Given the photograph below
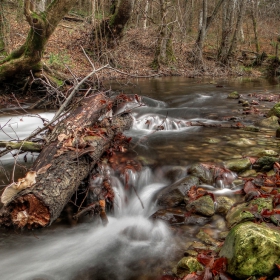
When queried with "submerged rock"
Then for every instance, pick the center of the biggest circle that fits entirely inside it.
(247, 211)
(173, 195)
(252, 250)
(271, 122)
(238, 165)
(242, 142)
(203, 205)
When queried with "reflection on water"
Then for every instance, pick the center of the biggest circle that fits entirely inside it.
(131, 245)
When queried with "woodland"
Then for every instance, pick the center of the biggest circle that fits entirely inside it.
(57, 55)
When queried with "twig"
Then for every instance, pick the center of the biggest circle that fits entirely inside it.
(87, 209)
(67, 101)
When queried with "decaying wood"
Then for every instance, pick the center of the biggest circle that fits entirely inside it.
(73, 148)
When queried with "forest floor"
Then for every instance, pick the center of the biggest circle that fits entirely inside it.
(133, 55)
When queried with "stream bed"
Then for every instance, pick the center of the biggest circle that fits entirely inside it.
(132, 246)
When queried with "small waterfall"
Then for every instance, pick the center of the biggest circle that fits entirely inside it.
(126, 247)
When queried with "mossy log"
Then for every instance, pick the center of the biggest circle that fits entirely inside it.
(26, 146)
(73, 148)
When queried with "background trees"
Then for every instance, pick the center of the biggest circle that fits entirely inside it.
(142, 35)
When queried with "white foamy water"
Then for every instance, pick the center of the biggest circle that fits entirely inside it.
(128, 239)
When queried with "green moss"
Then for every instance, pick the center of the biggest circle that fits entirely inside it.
(252, 250)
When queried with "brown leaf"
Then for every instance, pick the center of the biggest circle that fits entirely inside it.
(44, 169)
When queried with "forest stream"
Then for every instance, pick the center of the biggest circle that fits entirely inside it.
(131, 245)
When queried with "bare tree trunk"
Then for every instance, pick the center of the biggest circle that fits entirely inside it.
(146, 14)
(3, 30)
(241, 13)
(254, 13)
(226, 30)
(164, 51)
(205, 22)
(28, 57)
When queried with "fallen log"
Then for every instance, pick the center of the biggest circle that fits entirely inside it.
(73, 148)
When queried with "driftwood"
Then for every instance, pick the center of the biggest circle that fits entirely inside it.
(72, 149)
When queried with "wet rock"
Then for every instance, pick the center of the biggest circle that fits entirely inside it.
(175, 173)
(233, 95)
(267, 153)
(251, 128)
(186, 266)
(223, 205)
(247, 211)
(274, 111)
(173, 195)
(248, 173)
(265, 163)
(238, 165)
(201, 246)
(271, 122)
(206, 238)
(252, 250)
(203, 205)
(211, 174)
(242, 142)
(171, 216)
(212, 140)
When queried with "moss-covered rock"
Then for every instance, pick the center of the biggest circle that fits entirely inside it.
(233, 95)
(265, 163)
(186, 266)
(274, 111)
(238, 165)
(203, 205)
(223, 205)
(252, 250)
(243, 212)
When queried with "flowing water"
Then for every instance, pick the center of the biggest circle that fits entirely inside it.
(132, 246)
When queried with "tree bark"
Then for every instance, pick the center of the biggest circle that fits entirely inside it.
(110, 30)
(28, 57)
(73, 148)
(164, 51)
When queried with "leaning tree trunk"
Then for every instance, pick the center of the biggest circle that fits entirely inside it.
(73, 148)
(205, 23)
(28, 57)
(110, 30)
(237, 31)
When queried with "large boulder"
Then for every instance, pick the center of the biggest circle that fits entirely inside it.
(252, 250)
